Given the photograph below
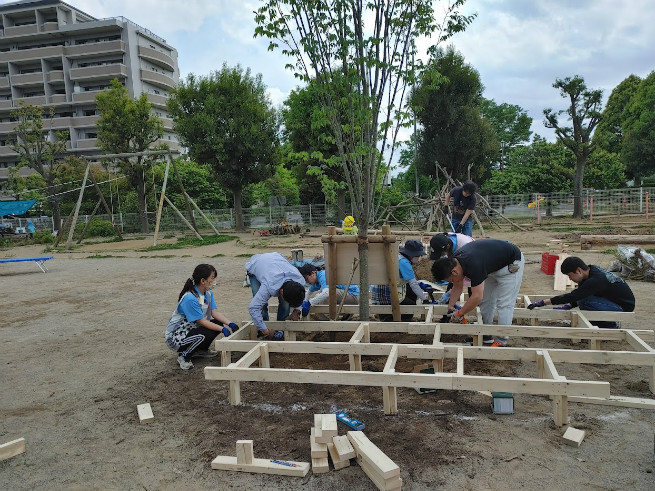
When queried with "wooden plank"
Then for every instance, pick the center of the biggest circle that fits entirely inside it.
(391, 263)
(391, 359)
(12, 448)
(616, 401)
(588, 241)
(343, 447)
(460, 361)
(572, 436)
(145, 413)
(391, 484)
(250, 357)
(337, 462)
(318, 449)
(320, 465)
(346, 252)
(264, 358)
(329, 426)
(245, 453)
(378, 460)
(261, 466)
(413, 380)
(637, 343)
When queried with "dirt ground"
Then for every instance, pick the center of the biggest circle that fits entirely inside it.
(83, 345)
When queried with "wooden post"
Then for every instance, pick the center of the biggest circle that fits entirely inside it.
(104, 203)
(88, 223)
(392, 273)
(332, 275)
(161, 203)
(591, 209)
(71, 230)
(647, 202)
(538, 212)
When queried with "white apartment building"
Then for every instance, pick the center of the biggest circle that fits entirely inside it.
(53, 54)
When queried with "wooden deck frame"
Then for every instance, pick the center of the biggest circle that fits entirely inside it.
(547, 381)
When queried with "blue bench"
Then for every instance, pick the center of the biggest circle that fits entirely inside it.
(40, 261)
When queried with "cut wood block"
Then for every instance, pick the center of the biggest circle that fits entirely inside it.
(372, 455)
(320, 466)
(389, 484)
(261, 466)
(329, 425)
(318, 449)
(244, 452)
(12, 448)
(318, 431)
(145, 413)
(337, 462)
(572, 436)
(343, 447)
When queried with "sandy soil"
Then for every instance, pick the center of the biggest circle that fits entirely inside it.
(82, 346)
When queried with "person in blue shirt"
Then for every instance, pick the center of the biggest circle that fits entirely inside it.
(271, 275)
(409, 289)
(318, 283)
(463, 200)
(30, 228)
(196, 321)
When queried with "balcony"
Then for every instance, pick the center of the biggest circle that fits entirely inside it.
(38, 100)
(168, 123)
(57, 123)
(55, 76)
(88, 144)
(7, 127)
(21, 30)
(157, 57)
(5, 104)
(33, 53)
(57, 98)
(157, 100)
(49, 26)
(27, 79)
(89, 96)
(93, 49)
(104, 72)
(4, 82)
(7, 152)
(85, 121)
(158, 79)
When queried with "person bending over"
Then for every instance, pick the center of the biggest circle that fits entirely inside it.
(598, 289)
(271, 275)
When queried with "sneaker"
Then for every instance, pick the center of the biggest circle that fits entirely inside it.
(487, 340)
(205, 353)
(184, 365)
(498, 344)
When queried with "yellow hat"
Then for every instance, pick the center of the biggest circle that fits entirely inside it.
(348, 221)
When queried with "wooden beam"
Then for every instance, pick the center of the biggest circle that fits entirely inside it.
(145, 413)
(391, 263)
(616, 401)
(12, 448)
(245, 452)
(261, 466)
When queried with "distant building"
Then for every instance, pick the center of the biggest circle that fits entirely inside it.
(53, 54)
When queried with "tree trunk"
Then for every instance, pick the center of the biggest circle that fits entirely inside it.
(362, 248)
(238, 211)
(56, 213)
(341, 203)
(141, 198)
(578, 211)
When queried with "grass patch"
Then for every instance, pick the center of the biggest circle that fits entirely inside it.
(186, 242)
(163, 256)
(244, 255)
(218, 255)
(102, 256)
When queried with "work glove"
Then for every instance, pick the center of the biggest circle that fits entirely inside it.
(424, 286)
(233, 326)
(278, 336)
(459, 228)
(226, 332)
(538, 303)
(456, 318)
(445, 298)
(305, 308)
(430, 302)
(566, 306)
(446, 209)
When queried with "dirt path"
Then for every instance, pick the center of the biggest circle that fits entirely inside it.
(82, 345)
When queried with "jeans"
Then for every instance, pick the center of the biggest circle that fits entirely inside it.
(283, 308)
(599, 304)
(467, 229)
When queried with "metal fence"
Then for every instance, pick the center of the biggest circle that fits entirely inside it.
(598, 203)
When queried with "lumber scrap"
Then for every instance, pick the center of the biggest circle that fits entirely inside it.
(320, 465)
(258, 466)
(588, 241)
(12, 448)
(145, 413)
(572, 436)
(337, 461)
(343, 447)
(383, 471)
(318, 449)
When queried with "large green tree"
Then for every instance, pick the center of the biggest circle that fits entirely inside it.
(454, 134)
(584, 115)
(227, 121)
(42, 149)
(128, 125)
(609, 132)
(639, 130)
(511, 124)
(366, 48)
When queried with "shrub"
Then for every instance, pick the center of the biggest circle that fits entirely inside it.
(97, 228)
(43, 237)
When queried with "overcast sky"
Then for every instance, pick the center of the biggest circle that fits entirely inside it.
(519, 47)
